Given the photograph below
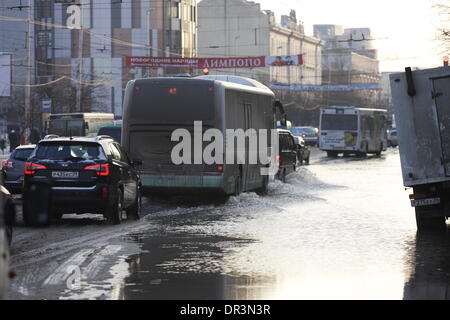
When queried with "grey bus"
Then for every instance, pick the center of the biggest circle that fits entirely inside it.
(154, 108)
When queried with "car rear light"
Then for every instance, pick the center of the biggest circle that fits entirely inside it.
(31, 168)
(100, 169)
(7, 164)
(220, 168)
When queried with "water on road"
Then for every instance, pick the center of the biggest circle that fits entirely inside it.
(338, 229)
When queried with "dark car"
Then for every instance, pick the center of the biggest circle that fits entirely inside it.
(114, 132)
(13, 168)
(80, 175)
(303, 152)
(287, 155)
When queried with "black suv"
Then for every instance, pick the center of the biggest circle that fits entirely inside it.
(80, 175)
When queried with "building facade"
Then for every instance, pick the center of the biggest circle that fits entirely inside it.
(349, 55)
(110, 30)
(239, 28)
(14, 40)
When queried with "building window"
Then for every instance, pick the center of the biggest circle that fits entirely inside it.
(175, 10)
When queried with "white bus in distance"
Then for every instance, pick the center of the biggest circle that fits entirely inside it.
(351, 130)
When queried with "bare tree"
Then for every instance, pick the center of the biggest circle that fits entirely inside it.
(64, 97)
(442, 9)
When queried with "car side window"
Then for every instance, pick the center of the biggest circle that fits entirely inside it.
(115, 152)
(123, 154)
(291, 143)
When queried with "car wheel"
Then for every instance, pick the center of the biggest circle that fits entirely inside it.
(134, 212)
(116, 211)
(281, 175)
(300, 160)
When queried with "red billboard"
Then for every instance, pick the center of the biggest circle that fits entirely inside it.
(213, 63)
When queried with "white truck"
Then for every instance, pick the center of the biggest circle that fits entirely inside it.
(422, 111)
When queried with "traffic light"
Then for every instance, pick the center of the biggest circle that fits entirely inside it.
(445, 61)
(206, 71)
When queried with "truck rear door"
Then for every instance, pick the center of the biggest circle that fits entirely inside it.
(441, 94)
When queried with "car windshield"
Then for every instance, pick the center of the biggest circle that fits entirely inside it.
(70, 152)
(308, 130)
(22, 154)
(296, 131)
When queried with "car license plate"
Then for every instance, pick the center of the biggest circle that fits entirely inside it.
(425, 202)
(64, 174)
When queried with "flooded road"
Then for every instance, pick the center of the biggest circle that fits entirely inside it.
(339, 229)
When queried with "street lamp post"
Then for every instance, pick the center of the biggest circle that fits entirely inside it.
(149, 43)
(28, 87)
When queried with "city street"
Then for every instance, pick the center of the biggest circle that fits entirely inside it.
(339, 229)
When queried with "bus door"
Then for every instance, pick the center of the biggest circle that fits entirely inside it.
(248, 125)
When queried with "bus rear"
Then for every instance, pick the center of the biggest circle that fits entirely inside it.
(339, 129)
(153, 110)
(78, 124)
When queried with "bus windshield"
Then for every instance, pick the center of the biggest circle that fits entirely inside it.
(339, 122)
(164, 103)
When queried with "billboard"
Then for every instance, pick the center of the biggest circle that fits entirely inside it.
(5, 74)
(214, 63)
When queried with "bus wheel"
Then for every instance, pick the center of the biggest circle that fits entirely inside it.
(263, 190)
(378, 153)
(237, 185)
(362, 154)
(430, 218)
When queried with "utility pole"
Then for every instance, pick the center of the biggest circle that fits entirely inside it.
(29, 61)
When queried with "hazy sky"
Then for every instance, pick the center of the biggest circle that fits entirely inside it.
(410, 26)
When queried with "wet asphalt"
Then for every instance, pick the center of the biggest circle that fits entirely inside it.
(338, 229)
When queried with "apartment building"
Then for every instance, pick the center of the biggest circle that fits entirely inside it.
(240, 28)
